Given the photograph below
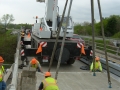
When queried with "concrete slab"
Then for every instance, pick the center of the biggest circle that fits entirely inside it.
(81, 81)
(28, 80)
(65, 67)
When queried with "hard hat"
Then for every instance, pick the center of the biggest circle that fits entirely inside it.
(1, 59)
(33, 61)
(97, 58)
(47, 74)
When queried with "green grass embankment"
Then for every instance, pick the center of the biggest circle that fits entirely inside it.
(100, 46)
(8, 45)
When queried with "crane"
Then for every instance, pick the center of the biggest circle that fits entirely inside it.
(50, 22)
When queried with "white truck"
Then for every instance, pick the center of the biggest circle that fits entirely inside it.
(45, 33)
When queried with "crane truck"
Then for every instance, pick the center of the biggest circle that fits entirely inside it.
(44, 33)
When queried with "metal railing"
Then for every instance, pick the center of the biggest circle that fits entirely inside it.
(100, 46)
(13, 85)
(114, 68)
(7, 72)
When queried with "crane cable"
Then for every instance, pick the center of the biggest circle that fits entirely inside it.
(55, 45)
(93, 35)
(61, 50)
(102, 28)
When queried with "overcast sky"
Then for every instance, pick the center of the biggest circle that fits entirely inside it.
(24, 10)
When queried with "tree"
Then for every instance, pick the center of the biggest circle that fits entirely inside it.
(77, 29)
(0, 22)
(111, 26)
(1, 25)
(98, 30)
(85, 23)
(6, 20)
(87, 28)
(118, 23)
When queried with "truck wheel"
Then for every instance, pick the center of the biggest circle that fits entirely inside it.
(71, 61)
(65, 55)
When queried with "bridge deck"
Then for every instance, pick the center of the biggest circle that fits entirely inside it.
(81, 81)
(71, 77)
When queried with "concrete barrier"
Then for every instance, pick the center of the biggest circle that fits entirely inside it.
(28, 79)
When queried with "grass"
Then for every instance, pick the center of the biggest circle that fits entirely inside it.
(117, 35)
(100, 46)
(8, 45)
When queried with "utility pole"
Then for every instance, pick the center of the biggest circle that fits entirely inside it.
(93, 35)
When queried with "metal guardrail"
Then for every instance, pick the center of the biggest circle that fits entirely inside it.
(13, 85)
(7, 72)
(100, 46)
(100, 38)
(114, 67)
(7, 64)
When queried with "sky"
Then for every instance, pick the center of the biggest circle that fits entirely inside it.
(24, 11)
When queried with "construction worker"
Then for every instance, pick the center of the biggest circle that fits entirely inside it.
(48, 83)
(98, 66)
(2, 83)
(22, 35)
(35, 64)
(23, 57)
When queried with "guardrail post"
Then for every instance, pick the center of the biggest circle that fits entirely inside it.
(12, 70)
(95, 45)
(117, 51)
(88, 42)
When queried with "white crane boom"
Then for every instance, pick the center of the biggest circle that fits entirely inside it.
(50, 22)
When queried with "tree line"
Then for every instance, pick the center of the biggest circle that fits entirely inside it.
(111, 27)
(6, 22)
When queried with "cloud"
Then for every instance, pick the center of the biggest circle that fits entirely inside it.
(24, 10)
